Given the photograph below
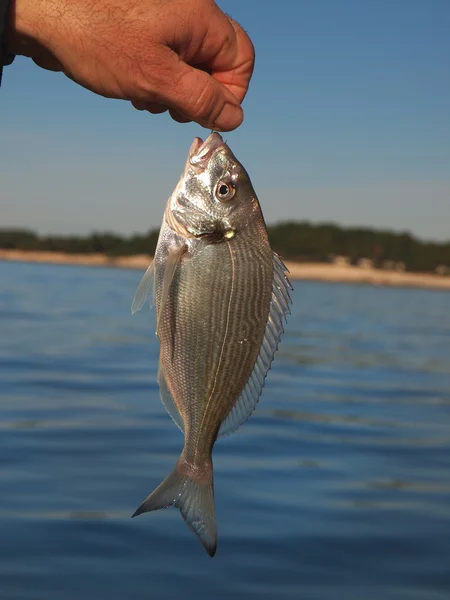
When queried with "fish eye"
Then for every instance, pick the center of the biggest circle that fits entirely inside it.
(225, 191)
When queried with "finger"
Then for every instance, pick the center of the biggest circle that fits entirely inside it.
(227, 53)
(201, 98)
(153, 107)
(237, 77)
(138, 105)
(179, 117)
(47, 61)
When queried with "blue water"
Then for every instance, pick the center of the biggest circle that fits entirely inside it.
(338, 487)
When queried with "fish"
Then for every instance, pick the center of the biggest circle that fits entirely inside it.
(222, 296)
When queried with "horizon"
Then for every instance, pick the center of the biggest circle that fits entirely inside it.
(314, 224)
(346, 121)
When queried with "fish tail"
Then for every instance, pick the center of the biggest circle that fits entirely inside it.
(191, 490)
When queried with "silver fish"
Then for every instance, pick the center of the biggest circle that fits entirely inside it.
(221, 295)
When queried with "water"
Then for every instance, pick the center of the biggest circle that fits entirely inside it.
(338, 487)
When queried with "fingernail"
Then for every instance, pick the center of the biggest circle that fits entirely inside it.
(230, 118)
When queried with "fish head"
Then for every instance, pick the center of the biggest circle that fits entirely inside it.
(214, 196)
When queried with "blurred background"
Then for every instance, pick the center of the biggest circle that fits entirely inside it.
(338, 487)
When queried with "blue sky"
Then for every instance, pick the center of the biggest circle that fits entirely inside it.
(347, 120)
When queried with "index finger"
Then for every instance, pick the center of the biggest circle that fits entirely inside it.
(226, 52)
(233, 67)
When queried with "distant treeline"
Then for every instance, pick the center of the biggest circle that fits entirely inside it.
(302, 241)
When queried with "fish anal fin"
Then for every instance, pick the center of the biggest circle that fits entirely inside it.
(279, 308)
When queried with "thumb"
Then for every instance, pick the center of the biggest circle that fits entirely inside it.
(199, 97)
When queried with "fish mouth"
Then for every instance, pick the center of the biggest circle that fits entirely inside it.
(201, 151)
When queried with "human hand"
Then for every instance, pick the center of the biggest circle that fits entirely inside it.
(184, 56)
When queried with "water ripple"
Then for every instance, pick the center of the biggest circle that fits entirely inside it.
(337, 487)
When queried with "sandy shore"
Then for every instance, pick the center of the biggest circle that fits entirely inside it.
(311, 271)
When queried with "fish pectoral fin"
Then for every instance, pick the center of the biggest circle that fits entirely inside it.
(146, 289)
(279, 308)
(167, 398)
(193, 497)
(173, 258)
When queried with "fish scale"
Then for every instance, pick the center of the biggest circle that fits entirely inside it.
(215, 365)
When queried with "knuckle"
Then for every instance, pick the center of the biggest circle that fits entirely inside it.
(206, 104)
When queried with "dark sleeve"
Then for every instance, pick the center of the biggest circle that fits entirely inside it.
(5, 59)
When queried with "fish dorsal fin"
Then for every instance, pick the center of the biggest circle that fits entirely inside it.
(279, 308)
(167, 399)
(146, 289)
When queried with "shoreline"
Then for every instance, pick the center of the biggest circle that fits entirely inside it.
(298, 271)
